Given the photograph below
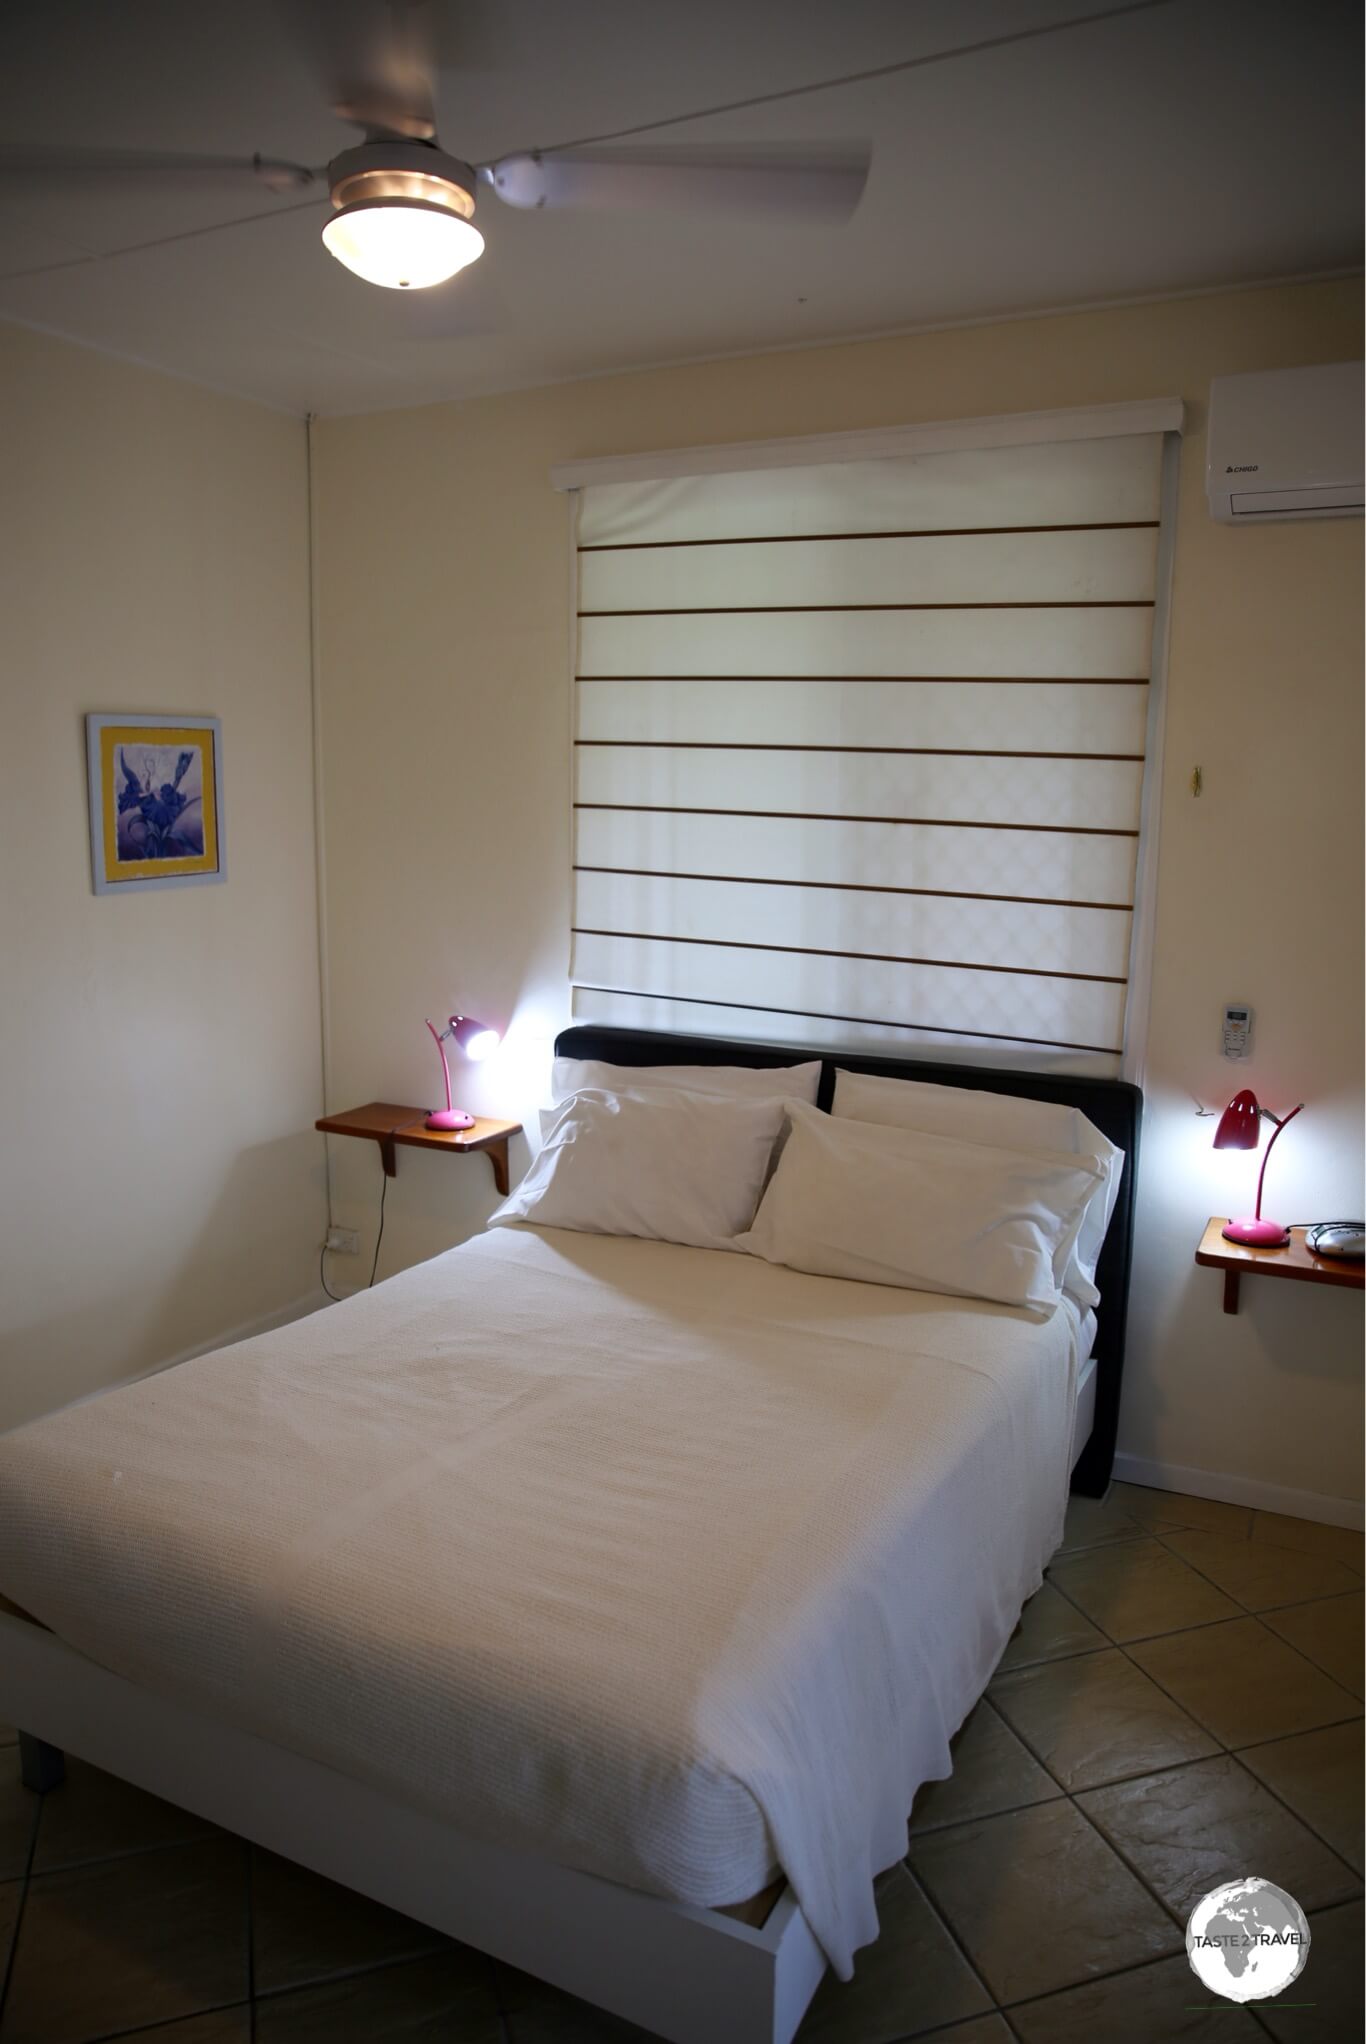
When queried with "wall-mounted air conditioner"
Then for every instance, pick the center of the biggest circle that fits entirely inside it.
(1286, 443)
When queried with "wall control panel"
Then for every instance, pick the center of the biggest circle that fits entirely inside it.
(1237, 1031)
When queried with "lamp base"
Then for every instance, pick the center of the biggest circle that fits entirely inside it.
(1256, 1234)
(449, 1118)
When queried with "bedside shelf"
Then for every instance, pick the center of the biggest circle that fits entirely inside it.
(388, 1123)
(1292, 1260)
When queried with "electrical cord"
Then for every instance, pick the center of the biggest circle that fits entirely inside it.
(337, 1297)
(162, 241)
(927, 58)
(397, 1130)
(383, 1195)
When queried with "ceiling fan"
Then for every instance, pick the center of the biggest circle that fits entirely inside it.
(403, 207)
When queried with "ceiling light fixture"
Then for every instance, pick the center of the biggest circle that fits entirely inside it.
(404, 213)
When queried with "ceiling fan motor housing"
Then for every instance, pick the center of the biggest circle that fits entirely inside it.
(403, 173)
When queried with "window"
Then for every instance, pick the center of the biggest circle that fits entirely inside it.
(860, 744)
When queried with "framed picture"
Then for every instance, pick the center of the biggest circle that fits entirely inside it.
(156, 802)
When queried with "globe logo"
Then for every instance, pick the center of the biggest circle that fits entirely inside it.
(1247, 1940)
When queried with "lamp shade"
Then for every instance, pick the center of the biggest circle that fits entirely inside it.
(1240, 1124)
(475, 1039)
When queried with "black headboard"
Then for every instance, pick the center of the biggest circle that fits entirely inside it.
(1114, 1107)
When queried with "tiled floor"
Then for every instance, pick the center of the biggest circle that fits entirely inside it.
(1180, 1705)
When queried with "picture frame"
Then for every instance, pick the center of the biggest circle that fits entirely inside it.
(156, 802)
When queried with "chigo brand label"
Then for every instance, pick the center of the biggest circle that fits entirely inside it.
(1248, 1940)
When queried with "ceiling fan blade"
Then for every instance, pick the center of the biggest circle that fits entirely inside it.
(50, 165)
(377, 60)
(795, 183)
(106, 255)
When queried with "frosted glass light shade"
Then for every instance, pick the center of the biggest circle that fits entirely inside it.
(403, 244)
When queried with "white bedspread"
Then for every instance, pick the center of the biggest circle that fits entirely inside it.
(663, 1562)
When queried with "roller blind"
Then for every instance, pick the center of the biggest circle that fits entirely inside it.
(860, 748)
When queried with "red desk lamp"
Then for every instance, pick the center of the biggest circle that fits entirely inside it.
(1240, 1126)
(476, 1039)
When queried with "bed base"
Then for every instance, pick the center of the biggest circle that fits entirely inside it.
(692, 1975)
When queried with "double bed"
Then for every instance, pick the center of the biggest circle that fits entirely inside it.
(602, 1602)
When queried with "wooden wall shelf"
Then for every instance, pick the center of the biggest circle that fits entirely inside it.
(388, 1123)
(1293, 1260)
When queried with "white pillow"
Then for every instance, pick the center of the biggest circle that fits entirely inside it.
(896, 1206)
(676, 1167)
(998, 1118)
(731, 1082)
(571, 1075)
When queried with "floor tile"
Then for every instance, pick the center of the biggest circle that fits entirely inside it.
(536, 2013)
(1000, 1882)
(130, 1942)
(447, 1998)
(1190, 1829)
(991, 1771)
(1156, 1509)
(1319, 1774)
(1259, 1576)
(1329, 1634)
(912, 1977)
(18, 1819)
(1306, 1536)
(1138, 1589)
(1152, 2005)
(1091, 1522)
(224, 2026)
(306, 1929)
(1330, 1985)
(1049, 1627)
(10, 1891)
(1097, 1719)
(981, 2030)
(93, 1815)
(1243, 1683)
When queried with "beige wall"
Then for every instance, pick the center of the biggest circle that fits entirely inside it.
(159, 1065)
(444, 595)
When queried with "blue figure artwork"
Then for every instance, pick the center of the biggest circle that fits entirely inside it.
(160, 802)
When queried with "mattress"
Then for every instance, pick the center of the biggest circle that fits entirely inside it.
(670, 1564)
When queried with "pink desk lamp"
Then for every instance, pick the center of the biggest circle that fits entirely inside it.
(476, 1039)
(1240, 1126)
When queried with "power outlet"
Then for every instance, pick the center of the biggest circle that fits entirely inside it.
(345, 1241)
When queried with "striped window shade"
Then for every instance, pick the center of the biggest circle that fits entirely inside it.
(860, 745)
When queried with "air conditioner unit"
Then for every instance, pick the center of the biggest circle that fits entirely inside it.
(1286, 443)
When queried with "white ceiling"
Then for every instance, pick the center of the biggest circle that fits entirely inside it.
(1198, 143)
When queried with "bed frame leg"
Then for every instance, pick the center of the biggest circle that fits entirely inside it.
(41, 1767)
